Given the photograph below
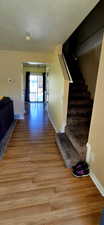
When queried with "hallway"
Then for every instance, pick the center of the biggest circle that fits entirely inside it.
(35, 186)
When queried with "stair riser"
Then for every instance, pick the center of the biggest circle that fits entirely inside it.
(78, 90)
(79, 97)
(84, 94)
(76, 106)
(75, 85)
(73, 140)
(81, 149)
(79, 130)
(78, 123)
(79, 110)
(87, 114)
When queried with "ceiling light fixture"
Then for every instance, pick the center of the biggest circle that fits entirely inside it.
(28, 36)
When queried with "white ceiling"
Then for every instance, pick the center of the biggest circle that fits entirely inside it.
(49, 22)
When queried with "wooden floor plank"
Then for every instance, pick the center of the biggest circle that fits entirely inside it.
(35, 186)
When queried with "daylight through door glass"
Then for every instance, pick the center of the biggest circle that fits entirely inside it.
(36, 88)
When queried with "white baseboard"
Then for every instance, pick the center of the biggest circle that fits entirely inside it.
(89, 158)
(88, 154)
(19, 116)
(97, 183)
(53, 124)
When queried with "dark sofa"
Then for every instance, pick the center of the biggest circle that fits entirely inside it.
(6, 115)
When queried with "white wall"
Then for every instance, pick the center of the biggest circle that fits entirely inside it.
(11, 67)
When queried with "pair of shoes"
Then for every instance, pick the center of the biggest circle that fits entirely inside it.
(81, 169)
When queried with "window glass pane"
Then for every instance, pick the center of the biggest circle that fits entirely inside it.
(36, 88)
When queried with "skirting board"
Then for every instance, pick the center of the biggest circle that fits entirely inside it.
(88, 155)
(97, 183)
(53, 124)
(19, 116)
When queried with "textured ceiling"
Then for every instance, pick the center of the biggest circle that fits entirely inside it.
(49, 22)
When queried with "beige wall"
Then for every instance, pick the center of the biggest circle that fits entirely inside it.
(89, 63)
(96, 135)
(58, 94)
(11, 67)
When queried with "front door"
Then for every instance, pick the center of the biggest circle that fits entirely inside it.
(36, 88)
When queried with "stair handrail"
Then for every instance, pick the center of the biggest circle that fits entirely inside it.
(67, 69)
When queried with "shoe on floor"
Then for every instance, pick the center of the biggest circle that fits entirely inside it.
(81, 165)
(80, 172)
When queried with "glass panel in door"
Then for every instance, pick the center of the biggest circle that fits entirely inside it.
(36, 88)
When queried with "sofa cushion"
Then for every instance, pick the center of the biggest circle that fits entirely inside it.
(4, 101)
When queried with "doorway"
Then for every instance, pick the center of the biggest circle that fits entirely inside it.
(35, 82)
(35, 88)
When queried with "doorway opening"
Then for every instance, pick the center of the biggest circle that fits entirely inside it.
(35, 88)
(35, 82)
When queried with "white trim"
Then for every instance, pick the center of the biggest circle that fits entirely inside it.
(19, 116)
(88, 155)
(62, 129)
(67, 69)
(64, 70)
(54, 126)
(97, 183)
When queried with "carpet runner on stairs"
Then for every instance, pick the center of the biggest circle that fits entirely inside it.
(78, 122)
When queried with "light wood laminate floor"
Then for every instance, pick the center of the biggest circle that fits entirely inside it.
(35, 186)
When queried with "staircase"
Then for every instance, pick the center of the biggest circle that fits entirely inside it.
(73, 142)
(79, 115)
